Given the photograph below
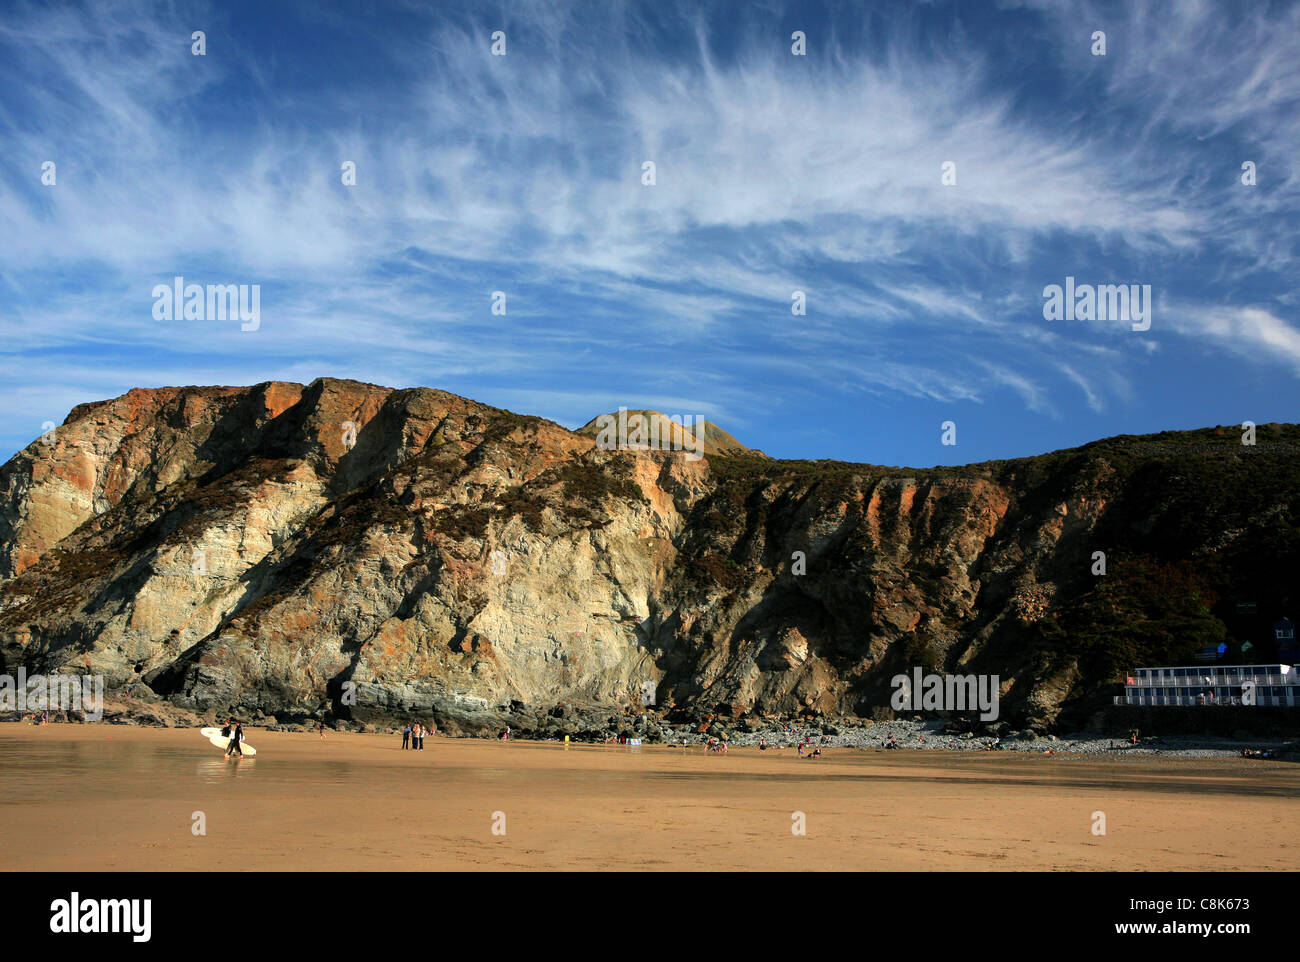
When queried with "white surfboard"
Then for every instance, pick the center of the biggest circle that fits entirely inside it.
(223, 741)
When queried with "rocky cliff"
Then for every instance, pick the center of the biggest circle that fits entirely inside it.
(368, 553)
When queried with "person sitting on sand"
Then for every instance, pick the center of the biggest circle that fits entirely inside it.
(723, 746)
(816, 753)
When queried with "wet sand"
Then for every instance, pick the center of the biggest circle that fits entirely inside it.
(115, 798)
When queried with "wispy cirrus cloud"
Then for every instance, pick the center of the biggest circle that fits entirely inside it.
(774, 173)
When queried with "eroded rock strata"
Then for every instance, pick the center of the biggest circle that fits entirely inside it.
(369, 554)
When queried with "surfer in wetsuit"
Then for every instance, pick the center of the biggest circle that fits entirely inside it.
(236, 736)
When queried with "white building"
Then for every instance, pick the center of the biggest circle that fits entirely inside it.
(1276, 685)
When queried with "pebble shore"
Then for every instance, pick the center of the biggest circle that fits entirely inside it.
(929, 736)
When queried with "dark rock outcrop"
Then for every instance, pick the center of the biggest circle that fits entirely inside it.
(375, 554)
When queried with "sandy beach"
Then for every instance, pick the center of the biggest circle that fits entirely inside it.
(117, 798)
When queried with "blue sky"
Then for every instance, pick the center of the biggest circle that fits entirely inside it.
(774, 173)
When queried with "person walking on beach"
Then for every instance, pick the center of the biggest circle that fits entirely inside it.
(236, 736)
(322, 728)
(406, 736)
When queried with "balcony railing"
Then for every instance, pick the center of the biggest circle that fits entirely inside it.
(1275, 701)
(1206, 681)
(1168, 681)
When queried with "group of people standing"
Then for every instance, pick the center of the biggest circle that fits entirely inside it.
(413, 736)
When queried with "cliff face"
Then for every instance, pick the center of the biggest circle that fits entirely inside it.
(373, 553)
